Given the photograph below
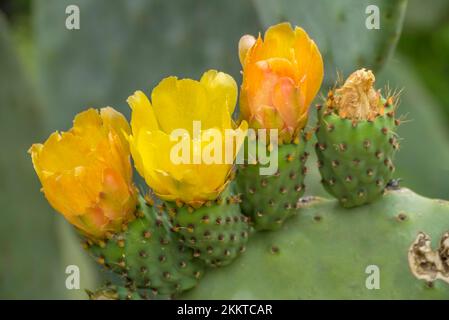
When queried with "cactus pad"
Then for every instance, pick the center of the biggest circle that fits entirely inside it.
(325, 251)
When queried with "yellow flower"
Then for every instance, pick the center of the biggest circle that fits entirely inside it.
(86, 172)
(281, 76)
(177, 104)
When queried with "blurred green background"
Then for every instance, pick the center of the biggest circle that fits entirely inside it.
(49, 73)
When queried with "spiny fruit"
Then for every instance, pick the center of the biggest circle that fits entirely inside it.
(217, 231)
(270, 199)
(329, 252)
(148, 254)
(356, 140)
(282, 73)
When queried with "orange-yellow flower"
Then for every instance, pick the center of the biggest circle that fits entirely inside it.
(86, 173)
(281, 76)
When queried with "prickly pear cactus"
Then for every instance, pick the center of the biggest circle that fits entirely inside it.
(270, 199)
(329, 252)
(355, 144)
(217, 231)
(148, 255)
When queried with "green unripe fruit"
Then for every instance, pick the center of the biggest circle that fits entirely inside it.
(355, 156)
(270, 199)
(149, 255)
(216, 231)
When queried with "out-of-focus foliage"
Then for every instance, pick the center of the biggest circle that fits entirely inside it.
(425, 42)
(339, 29)
(30, 251)
(123, 46)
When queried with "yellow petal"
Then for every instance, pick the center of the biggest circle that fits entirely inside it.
(178, 103)
(142, 113)
(278, 41)
(222, 89)
(116, 121)
(245, 44)
(310, 65)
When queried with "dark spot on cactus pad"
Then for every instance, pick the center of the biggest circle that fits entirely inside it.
(274, 249)
(317, 218)
(401, 216)
(366, 144)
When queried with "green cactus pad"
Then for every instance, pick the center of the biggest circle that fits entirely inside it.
(329, 252)
(148, 255)
(270, 199)
(356, 158)
(217, 231)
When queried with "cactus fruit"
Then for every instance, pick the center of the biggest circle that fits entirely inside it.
(216, 231)
(270, 199)
(329, 252)
(356, 141)
(148, 254)
(281, 76)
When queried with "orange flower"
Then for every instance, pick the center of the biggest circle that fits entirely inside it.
(281, 76)
(86, 172)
